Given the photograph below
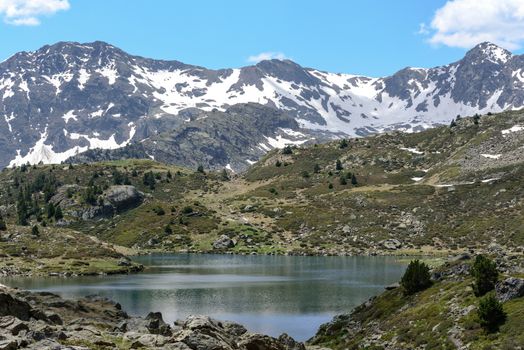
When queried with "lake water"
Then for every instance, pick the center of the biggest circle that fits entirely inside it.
(267, 294)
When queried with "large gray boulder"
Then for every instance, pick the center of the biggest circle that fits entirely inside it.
(223, 242)
(123, 197)
(510, 288)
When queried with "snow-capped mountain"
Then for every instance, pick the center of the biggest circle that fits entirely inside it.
(66, 98)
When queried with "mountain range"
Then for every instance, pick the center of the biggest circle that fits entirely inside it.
(94, 101)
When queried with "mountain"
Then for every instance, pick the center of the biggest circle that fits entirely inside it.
(67, 98)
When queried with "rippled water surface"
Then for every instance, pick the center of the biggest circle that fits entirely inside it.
(268, 294)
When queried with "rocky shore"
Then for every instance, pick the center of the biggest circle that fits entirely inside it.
(43, 320)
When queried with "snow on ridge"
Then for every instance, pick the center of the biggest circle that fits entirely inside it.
(69, 115)
(514, 128)
(491, 156)
(411, 150)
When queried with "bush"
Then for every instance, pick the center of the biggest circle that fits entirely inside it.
(485, 273)
(287, 150)
(416, 278)
(338, 165)
(491, 313)
(187, 210)
(35, 231)
(3, 226)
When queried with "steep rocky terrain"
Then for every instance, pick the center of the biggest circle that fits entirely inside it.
(67, 98)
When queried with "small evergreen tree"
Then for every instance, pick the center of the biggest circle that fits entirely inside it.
(338, 165)
(34, 231)
(491, 313)
(168, 230)
(58, 213)
(343, 180)
(354, 181)
(50, 210)
(316, 169)
(343, 144)
(21, 209)
(287, 150)
(476, 119)
(330, 186)
(278, 163)
(169, 175)
(3, 226)
(305, 174)
(149, 180)
(453, 123)
(200, 169)
(484, 271)
(134, 173)
(416, 278)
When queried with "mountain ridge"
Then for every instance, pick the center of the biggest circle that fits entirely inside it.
(67, 98)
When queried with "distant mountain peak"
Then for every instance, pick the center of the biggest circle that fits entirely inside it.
(489, 51)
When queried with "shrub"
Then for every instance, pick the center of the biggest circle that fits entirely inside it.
(491, 313)
(416, 278)
(343, 143)
(485, 273)
(338, 165)
(58, 213)
(200, 169)
(287, 150)
(278, 163)
(159, 211)
(35, 231)
(187, 210)
(343, 180)
(3, 226)
(316, 169)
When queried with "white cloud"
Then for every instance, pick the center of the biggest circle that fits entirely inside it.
(27, 12)
(465, 23)
(266, 56)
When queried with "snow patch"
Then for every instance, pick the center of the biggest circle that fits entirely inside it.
(491, 156)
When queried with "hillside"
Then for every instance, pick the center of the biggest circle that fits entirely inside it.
(443, 316)
(69, 98)
(448, 188)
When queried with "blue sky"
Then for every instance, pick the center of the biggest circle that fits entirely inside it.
(372, 37)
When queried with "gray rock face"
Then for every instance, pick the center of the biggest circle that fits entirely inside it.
(223, 242)
(510, 288)
(123, 197)
(67, 98)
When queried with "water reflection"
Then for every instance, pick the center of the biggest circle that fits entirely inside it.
(269, 294)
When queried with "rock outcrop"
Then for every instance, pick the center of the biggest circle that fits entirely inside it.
(46, 321)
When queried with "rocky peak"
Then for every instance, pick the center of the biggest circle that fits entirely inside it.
(487, 51)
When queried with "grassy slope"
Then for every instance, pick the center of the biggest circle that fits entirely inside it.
(277, 209)
(441, 317)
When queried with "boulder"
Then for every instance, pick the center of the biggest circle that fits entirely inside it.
(123, 197)
(156, 324)
(223, 242)
(510, 288)
(391, 244)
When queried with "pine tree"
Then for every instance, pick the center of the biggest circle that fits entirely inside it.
(287, 150)
(491, 313)
(50, 210)
(485, 273)
(149, 180)
(343, 144)
(316, 169)
(169, 175)
(416, 278)
(453, 123)
(3, 226)
(35, 231)
(21, 209)
(200, 169)
(168, 230)
(354, 181)
(58, 213)
(338, 165)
